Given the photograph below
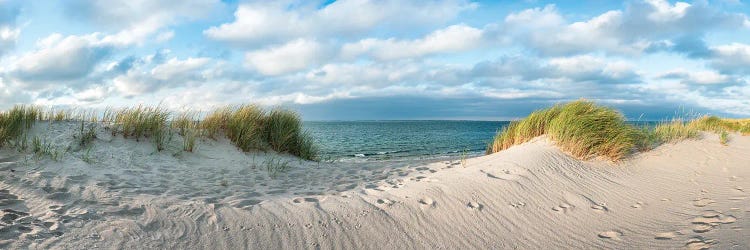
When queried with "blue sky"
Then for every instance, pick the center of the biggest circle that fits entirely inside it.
(361, 59)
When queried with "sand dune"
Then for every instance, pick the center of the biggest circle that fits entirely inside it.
(694, 194)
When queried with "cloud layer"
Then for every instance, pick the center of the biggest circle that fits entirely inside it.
(474, 60)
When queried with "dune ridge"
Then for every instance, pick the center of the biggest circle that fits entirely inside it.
(692, 194)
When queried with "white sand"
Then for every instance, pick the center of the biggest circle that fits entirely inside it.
(693, 194)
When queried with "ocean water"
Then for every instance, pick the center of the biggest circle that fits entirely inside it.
(360, 141)
(401, 140)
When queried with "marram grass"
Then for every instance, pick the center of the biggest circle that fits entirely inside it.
(245, 128)
(15, 122)
(675, 131)
(581, 128)
(587, 130)
(284, 133)
(249, 127)
(147, 122)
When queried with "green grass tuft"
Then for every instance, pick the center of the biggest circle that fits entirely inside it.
(248, 126)
(251, 128)
(581, 128)
(147, 122)
(216, 122)
(724, 137)
(586, 130)
(675, 131)
(15, 122)
(245, 128)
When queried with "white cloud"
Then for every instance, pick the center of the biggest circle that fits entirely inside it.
(8, 37)
(177, 70)
(130, 13)
(450, 39)
(369, 76)
(60, 58)
(733, 58)
(165, 36)
(705, 77)
(584, 68)
(642, 26)
(139, 20)
(273, 21)
(290, 57)
(94, 94)
(666, 12)
(146, 78)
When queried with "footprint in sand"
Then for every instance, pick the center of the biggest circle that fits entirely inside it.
(510, 173)
(474, 205)
(562, 208)
(7, 199)
(518, 204)
(246, 203)
(702, 228)
(385, 201)
(307, 199)
(710, 219)
(427, 201)
(615, 235)
(600, 208)
(637, 205)
(698, 244)
(702, 202)
(665, 236)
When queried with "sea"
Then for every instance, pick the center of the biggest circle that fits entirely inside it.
(357, 141)
(366, 141)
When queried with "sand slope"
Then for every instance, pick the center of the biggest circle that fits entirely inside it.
(693, 194)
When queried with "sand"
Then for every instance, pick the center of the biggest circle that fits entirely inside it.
(693, 194)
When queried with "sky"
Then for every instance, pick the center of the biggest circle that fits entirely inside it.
(380, 59)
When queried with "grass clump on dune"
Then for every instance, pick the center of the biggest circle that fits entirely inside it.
(147, 122)
(675, 131)
(585, 130)
(716, 124)
(249, 127)
(187, 125)
(518, 132)
(216, 121)
(581, 128)
(724, 138)
(245, 128)
(15, 122)
(284, 133)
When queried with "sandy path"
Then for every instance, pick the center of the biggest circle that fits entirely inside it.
(693, 194)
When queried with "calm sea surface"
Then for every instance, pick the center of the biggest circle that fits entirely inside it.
(404, 140)
(397, 140)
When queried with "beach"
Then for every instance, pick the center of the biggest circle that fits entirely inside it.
(690, 194)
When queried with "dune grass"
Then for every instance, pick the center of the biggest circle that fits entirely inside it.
(284, 133)
(216, 122)
(249, 127)
(187, 125)
(717, 124)
(724, 137)
(146, 122)
(15, 122)
(674, 131)
(581, 128)
(587, 130)
(245, 128)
